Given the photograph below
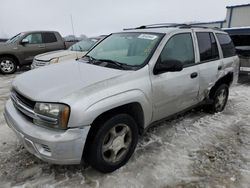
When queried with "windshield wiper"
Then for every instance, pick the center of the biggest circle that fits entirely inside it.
(118, 64)
(91, 59)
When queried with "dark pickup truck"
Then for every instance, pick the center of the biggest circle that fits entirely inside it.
(22, 48)
(241, 40)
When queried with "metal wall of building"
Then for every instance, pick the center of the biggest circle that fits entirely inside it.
(237, 16)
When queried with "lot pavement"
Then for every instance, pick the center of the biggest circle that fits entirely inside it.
(194, 150)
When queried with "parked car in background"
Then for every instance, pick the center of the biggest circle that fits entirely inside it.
(241, 39)
(76, 51)
(94, 109)
(3, 40)
(22, 48)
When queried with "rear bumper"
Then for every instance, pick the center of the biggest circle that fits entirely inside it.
(53, 146)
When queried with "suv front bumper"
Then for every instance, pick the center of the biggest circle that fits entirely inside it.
(53, 146)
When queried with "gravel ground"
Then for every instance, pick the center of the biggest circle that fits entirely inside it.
(194, 150)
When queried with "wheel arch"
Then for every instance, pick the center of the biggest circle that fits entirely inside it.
(133, 109)
(227, 79)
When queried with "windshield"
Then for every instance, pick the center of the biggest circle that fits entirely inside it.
(15, 38)
(83, 45)
(131, 49)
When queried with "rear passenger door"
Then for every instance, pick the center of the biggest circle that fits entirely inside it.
(51, 41)
(176, 91)
(210, 65)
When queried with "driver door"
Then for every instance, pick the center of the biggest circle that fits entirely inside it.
(176, 91)
(33, 48)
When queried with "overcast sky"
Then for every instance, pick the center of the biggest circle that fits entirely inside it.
(96, 17)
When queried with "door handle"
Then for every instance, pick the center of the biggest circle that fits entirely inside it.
(194, 75)
(219, 67)
(41, 46)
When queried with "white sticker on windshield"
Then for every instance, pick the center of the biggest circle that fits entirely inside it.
(147, 36)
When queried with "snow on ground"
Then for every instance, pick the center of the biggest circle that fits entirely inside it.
(194, 150)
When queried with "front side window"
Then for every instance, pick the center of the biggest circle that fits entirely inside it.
(180, 48)
(131, 49)
(226, 45)
(35, 38)
(207, 46)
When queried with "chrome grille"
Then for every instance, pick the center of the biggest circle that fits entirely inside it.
(23, 99)
(40, 63)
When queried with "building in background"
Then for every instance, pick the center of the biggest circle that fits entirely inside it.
(237, 16)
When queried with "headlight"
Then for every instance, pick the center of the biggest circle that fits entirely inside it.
(52, 115)
(54, 60)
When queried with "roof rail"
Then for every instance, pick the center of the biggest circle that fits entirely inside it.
(168, 25)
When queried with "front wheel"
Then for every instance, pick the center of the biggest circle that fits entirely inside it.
(7, 65)
(113, 143)
(219, 99)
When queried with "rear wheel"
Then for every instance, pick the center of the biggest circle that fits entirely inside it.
(113, 143)
(219, 98)
(7, 65)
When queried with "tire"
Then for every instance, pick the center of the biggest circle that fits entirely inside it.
(219, 98)
(8, 65)
(112, 143)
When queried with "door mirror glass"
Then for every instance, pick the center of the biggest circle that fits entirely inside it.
(168, 66)
(25, 41)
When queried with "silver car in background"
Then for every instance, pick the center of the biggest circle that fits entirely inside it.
(75, 51)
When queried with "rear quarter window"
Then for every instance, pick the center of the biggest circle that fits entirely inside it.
(226, 44)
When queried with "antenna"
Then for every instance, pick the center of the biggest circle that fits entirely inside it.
(72, 25)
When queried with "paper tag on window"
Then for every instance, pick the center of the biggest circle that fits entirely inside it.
(147, 36)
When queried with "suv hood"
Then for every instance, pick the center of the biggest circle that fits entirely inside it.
(53, 83)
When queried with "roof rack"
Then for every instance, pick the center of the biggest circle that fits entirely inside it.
(168, 25)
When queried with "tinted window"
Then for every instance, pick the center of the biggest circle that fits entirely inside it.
(35, 38)
(226, 45)
(207, 46)
(180, 48)
(215, 51)
(49, 37)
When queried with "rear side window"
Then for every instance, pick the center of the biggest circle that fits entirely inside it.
(49, 37)
(207, 46)
(226, 45)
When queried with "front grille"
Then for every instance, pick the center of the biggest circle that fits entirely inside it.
(24, 100)
(40, 63)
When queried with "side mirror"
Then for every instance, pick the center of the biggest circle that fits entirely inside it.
(25, 41)
(168, 66)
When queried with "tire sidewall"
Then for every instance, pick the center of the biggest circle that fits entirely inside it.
(14, 63)
(221, 87)
(96, 159)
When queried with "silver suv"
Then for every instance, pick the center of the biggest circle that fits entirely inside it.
(93, 109)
